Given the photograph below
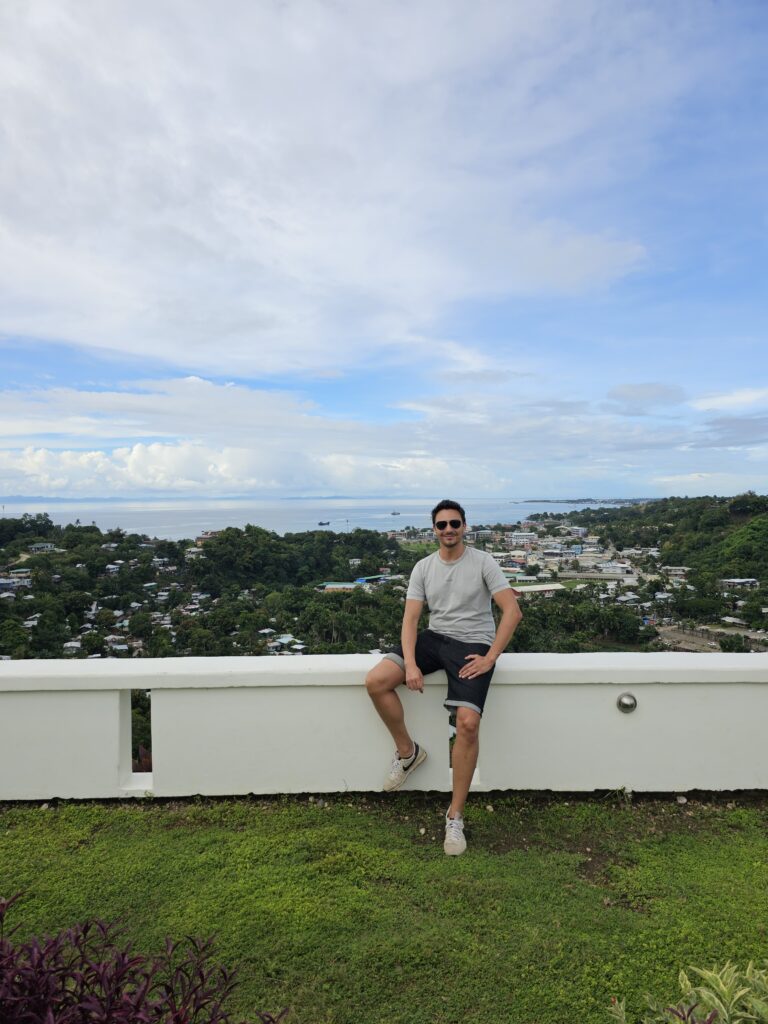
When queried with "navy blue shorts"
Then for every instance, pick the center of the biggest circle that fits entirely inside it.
(435, 651)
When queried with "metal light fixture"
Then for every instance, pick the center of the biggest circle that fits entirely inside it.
(626, 702)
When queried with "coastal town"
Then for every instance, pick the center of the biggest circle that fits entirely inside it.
(136, 596)
(538, 561)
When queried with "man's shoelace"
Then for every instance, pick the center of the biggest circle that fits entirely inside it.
(397, 763)
(454, 828)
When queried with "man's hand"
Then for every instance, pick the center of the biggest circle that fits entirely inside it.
(478, 665)
(414, 680)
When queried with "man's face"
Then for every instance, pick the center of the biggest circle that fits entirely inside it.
(454, 528)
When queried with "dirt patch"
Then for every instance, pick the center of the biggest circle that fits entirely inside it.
(594, 867)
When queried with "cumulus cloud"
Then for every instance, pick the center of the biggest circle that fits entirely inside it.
(302, 187)
(193, 468)
(193, 436)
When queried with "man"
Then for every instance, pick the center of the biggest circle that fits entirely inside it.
(457, 583)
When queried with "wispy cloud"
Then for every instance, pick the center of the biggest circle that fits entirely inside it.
(685, 478)
(290, 177)
(641, 399)
(736, 432)
(738, 399)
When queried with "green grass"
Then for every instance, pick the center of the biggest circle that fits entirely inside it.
(348, 914)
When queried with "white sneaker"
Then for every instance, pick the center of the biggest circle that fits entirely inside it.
(455, 843)
(402, 767)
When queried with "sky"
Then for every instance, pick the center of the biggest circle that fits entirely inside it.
(425, 248)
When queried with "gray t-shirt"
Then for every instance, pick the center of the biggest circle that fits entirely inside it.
(458, 594)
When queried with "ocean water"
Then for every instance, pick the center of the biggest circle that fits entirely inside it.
(174, 519)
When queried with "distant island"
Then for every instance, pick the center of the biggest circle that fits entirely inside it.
(585, 501)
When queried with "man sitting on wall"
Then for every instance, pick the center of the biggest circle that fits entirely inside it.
(457, 583)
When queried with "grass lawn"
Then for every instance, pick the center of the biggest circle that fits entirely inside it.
(350, 913)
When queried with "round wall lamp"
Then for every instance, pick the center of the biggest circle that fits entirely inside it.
(626, 702)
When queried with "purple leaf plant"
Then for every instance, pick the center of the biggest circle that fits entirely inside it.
(90, 974)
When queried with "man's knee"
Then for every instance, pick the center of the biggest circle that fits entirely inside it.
(372, 682)
(467, 724)
(387, 675)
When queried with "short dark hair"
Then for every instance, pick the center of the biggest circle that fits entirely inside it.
(446, 503)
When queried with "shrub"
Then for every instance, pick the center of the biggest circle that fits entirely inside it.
(89, 973)
(727, 996)
(734, 643)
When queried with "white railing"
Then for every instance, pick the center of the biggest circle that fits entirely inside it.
(305, 724)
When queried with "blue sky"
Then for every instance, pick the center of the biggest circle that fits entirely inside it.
(432, 247)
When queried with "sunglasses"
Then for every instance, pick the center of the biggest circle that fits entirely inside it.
(453, 523)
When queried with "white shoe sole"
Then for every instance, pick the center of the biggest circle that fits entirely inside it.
(391, 787)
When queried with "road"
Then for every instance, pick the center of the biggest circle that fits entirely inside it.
(682, 640)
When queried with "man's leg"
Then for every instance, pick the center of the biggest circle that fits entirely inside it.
(464, 758)
(381, 683)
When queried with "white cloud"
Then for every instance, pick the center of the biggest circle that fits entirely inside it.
(182, 407)
(193, 468)
(738, 399)
(192, 436)
(684, 478)
(297, 187)
(724, 481)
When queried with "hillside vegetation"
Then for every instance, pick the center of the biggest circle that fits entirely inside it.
(116, 594)
(718, 537)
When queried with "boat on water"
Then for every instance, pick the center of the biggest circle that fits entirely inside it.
(394, 513)
(324, 522)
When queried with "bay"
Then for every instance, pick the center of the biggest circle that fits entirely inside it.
(175, 519)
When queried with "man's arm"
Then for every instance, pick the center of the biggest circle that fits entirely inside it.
(479, 664)
(414, 680)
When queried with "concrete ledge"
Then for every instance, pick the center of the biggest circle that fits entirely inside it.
(225, 726)
(350, 670)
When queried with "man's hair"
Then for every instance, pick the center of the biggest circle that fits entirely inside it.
(446, 503)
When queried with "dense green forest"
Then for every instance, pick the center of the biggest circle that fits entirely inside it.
(244, 581)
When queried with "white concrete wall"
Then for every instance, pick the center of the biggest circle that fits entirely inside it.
(64, 743)
(287, 725)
